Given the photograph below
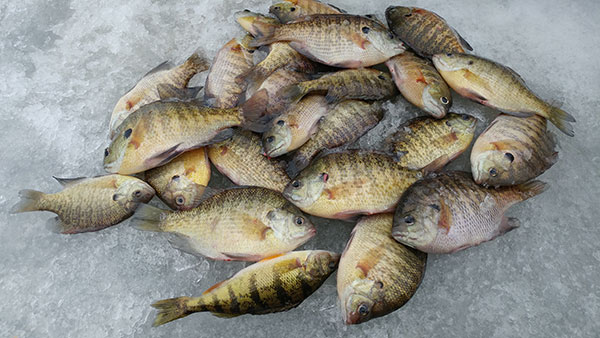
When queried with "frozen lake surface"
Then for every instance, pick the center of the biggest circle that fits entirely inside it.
(63, 66)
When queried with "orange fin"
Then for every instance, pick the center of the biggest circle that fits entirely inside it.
(436, 165)
(445, 221)
(213, 287)
(360, 41)
(271, 257)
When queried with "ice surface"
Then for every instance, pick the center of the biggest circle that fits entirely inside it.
(63, 66)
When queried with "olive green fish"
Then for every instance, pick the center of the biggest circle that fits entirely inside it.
(281, 55)
(376, 274)
(512, 150)
(181, 182)
(345, 184)
(424, 31)
(295, 126)
(291, 10)
(339, 40)
(271, 285)
(246, 224)
(234, 59)
(362, 84)
(88, 204)
(420, 83)
(158, 132)
(343, 124)
(449, 212)
(425, 142)
(496, 86)
(240, 158)
(162, 82)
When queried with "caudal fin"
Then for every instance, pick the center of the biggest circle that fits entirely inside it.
(532, 188)
(148, 218)
(170, 310)
(293, 93)
(196, 62)
(266, 34)
(29, 201)
(256, 113)
(561, 119)
(297, 164)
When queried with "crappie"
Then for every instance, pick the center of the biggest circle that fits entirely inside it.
(234, 59)
(420, 83)
(246, 224)
(271, 285)
(158, 132)
(362, 84)
(339, 40)
(425, 142)
(512, 150)
(240, 159)
(343, 124)
(496, 86)
(281, 55)
(376, 275)
(181, 182)
(345, 184)
(450, 212)
(153, 86)
(291, 10)
(88, 204)
(295, 126)
(425, 32)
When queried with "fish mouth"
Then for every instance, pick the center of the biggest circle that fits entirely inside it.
(438, 62)
(477, 172)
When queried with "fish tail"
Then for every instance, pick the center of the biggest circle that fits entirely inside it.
(299, 162)
(197, 63)
(255, 75)
(561, 119)
(29, 201)
(255, 112)
(148, 218)
(171, 309)
(531, 188)
(293, 93)
(266, 34)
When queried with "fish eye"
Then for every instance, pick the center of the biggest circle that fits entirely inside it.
(280, 122)
(381, 77)
(390, 35)
(363, 309)
(464, 116)
(379, 284)
(448, 123)
(493, 172)
(435, 206)
(510, 157)
(444, 100)
(292, 9)
(127, 133)
(276, 8)
(270, 139)
(115, 197)
(369, 16)
(299, 220)
(325, 177)
(449, 55)
(366, 29)
(408, 15)
(179, 200)
(137, 193)
(471, 62)
(296, 184)
(246, 10)
(409, 219)
(175, 178)
(331, 265)
(250, 51)
(106, 152)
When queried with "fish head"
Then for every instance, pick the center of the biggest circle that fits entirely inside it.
(417, 219)
(493, 167)
(320, 263)
(437, 100)
(287, 11)
(306, 189)
(451, 62)
(381, 38)
(120, 156)
(290, 225)
(248, 20)
(181, 193)
(359, 300)
(131, 191)
(398, 14)
(277, 139)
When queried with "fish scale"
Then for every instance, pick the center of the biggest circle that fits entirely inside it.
(450, 212)
(284, 12)
(240, 159)
(343, 124)
(372, 256)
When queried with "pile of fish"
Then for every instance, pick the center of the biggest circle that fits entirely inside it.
(313, 94)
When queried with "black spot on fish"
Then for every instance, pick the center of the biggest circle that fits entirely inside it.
(234, 306)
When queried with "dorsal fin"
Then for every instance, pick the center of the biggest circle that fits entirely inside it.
(270, 257)
(214, 287)
(68, 182)
(462, 41)
(163, 66)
